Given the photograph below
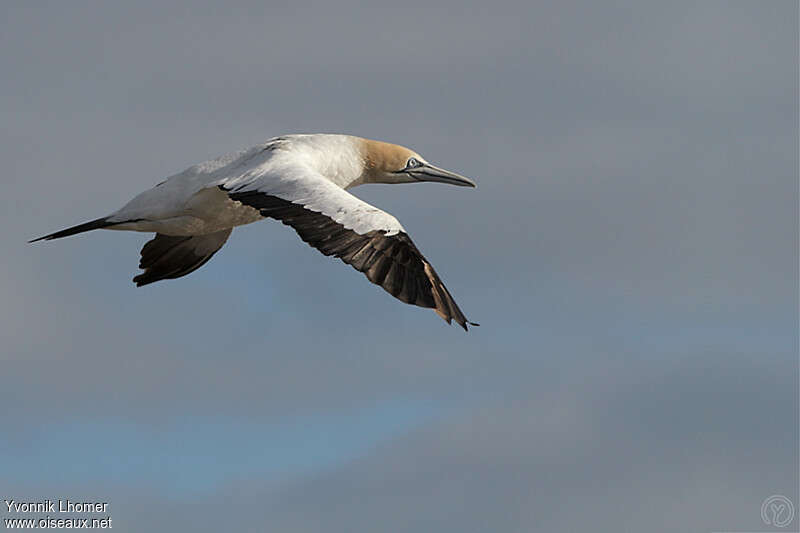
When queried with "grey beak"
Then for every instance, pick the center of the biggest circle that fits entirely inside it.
(429, 172)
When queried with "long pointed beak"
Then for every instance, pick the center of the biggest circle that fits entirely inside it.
(429, 172)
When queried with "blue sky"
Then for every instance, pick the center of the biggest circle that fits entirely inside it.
(631, 254)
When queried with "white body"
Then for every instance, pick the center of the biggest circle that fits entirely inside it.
(309, 170)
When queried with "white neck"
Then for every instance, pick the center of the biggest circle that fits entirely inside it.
(338, 158)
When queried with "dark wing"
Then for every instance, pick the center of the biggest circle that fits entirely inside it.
(387, 259)
(169, 256)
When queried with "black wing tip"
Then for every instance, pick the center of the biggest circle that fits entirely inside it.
(172, 257)
(141, 280)
(464, 324)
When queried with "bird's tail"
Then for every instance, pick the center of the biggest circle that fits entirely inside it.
(80, 228)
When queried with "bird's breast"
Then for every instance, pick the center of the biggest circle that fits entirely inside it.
(217, 211)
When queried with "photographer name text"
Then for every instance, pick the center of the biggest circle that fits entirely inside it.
(56, 506)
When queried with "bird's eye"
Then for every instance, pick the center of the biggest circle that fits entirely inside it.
(412, 163)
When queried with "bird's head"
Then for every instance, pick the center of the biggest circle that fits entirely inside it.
(391, 163)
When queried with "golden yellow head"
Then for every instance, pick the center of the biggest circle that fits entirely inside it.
(392, 163)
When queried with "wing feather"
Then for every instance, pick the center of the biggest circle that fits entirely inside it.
(170, 257)
(338, 224)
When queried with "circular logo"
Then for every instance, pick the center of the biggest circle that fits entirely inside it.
(777, 510)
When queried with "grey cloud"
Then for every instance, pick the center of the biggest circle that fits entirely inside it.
(642, 445)
(631, 252)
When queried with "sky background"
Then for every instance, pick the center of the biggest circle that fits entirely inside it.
(630, 252)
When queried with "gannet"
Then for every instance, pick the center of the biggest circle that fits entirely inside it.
(302, 181)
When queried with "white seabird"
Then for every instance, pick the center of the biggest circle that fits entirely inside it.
(300, 180)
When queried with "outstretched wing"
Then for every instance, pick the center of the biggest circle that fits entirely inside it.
(170, 256)
(337, 223)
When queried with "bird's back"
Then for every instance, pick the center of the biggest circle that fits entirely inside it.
(171, 195)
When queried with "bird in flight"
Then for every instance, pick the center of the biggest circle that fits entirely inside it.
(302, 181)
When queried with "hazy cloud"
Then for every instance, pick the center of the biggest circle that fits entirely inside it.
(631, 252)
